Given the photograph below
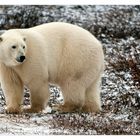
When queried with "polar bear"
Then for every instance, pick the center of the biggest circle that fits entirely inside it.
(58, 53)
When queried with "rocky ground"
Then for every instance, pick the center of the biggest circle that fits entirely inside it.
(118, 28)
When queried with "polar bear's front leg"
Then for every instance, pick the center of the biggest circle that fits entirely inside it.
(12, 87)
(39, 98)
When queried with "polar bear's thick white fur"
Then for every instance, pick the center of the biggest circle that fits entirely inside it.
(58, 53)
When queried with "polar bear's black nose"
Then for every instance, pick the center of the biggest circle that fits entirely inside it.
(21, 58)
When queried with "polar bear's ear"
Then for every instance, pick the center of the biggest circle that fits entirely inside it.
(1, 39)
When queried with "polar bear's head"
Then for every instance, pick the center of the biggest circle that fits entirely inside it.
(12, 48)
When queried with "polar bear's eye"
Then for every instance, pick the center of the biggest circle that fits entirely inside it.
(13, 47)
(23, 47)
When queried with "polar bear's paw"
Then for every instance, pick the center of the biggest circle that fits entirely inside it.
(12, 110)
(32, 110)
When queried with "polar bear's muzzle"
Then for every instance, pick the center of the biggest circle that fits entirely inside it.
(21, 58)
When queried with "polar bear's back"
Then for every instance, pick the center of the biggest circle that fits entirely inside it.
(68, 36)
(60, 30)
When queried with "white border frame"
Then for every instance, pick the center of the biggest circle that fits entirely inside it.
(69, 2)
